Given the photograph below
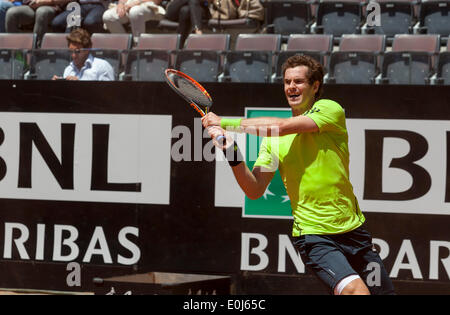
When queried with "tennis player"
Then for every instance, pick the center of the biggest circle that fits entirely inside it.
(313, 158)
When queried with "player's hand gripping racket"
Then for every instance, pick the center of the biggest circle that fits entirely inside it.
(192, 92)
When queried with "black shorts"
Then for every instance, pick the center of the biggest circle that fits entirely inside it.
(335, 257)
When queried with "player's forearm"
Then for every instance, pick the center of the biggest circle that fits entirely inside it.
(247, 181)
(271, 126)
(264, 126)
(253, 183)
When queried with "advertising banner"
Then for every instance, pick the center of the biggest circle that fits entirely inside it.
(99, 180)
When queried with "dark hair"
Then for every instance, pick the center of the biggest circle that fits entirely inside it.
(81, 37)
(315, 70)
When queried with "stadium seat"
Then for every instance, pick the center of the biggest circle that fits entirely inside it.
(225, 25)
(411, 60)
(318, 46)
(51, 58)
(54, 41)
(17, 40)
(168, 25)
(254, 42)
(443, 68)
(396, 17)
(288, 17)
(338, 17)
(434, 18)
(419, 43)
(207, 42)
(251, 61)
(111, 41)
(45, 63)
(202, 56)
(112, 48)
(357, 60)
(14, 54)
(152, 55)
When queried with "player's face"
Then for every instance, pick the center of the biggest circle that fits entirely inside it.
(299, 93)
(79, 55)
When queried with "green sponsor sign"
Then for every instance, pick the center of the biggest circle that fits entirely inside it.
(275, 202)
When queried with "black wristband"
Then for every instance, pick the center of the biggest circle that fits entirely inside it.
(233, 155)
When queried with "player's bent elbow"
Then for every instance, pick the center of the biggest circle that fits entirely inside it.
(253, 195)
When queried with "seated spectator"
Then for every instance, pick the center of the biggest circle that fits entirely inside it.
(39, 12)
(189, 14)
(84, 66)
(237, 9)
(135, 12)
(91, 17)
(4, 6)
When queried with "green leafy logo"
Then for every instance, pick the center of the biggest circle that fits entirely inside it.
(275, 202)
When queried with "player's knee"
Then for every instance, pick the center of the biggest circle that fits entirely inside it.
(354, 287)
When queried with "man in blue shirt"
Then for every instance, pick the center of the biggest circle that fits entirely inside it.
(84, 66)
(4, 6)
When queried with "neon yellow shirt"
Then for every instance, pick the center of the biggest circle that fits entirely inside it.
(314, 168)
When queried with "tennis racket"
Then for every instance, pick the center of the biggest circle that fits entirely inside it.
(192, 91)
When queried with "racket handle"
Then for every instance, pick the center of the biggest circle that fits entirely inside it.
(221, 140)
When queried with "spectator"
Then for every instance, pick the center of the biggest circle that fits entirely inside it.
(39, 12)
(189, 15)
(135, 12)
(237, 9)
(84, 66)
(4, 6)
(91, 16)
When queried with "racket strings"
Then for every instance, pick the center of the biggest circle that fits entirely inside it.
(190, 90)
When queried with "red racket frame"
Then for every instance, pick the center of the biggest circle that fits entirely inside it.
(196, 84)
